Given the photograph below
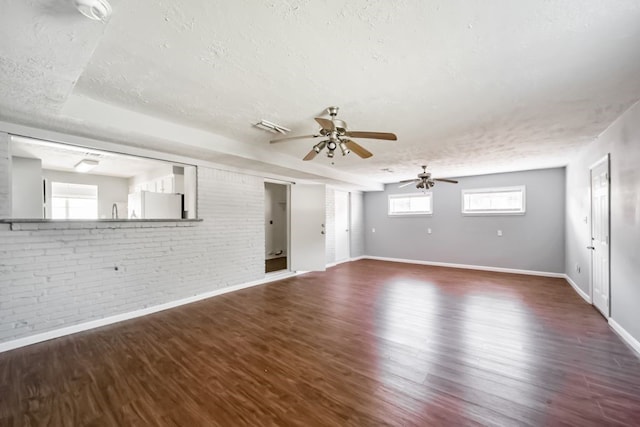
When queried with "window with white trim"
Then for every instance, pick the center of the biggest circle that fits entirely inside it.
(74, 201)
(411, 204)
(494, 201)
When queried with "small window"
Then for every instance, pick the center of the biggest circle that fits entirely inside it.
(494, 201)
(411, 204)
(74, 201)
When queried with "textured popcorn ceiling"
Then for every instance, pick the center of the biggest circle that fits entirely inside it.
(469, 87)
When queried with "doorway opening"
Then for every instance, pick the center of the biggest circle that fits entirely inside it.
(275, 227)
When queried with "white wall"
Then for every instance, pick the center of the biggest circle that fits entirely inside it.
(26, 187)
(190, 191)
(357, 224)
(622, 141)
(5, 176)
(110, 190)
(534, 241)
(329, 225)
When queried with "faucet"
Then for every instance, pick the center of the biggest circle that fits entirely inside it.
(114, 211)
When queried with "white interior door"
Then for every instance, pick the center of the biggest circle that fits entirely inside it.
(600, 235)
(308, 228)
(342, 226)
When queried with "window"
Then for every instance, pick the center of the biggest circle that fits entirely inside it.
(494, 201)
(411, 204)
(74, 201)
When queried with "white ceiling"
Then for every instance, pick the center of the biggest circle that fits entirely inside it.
(469, 87)
(64, 157)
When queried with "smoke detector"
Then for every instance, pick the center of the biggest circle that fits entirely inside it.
(98, 10)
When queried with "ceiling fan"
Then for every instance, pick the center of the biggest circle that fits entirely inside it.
(338, 136)
(424, 180)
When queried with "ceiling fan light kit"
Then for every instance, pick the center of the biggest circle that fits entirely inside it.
(338, 135)
(98, 10)
(424, 180)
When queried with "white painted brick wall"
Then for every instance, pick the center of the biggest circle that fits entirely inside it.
(58, 275)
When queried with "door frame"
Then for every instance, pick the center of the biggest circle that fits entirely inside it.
(348, 225)
(287, 185)
(605, 159)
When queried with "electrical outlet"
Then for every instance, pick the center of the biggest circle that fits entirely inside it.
(428, 231)
(373, 230)
(499, 233)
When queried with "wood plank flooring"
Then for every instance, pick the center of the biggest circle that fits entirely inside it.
(367, 343)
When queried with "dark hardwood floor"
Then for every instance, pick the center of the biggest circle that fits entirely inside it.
(366, 343)
(275, 264)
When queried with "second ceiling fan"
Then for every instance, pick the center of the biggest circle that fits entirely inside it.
(336, 135)
(424, 180)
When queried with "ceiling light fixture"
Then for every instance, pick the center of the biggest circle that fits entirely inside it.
(272, 127)
(98, 10)
(319, 146)
(343, 148)
(85, 165)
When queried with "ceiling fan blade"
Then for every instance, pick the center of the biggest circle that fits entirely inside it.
(407, 183)
(406, 180)
(453, 181)
(310, 155)
(273, 141)
(372, 135)
(325, 123)
(358, 149)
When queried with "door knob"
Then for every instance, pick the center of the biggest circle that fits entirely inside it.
(591, 247)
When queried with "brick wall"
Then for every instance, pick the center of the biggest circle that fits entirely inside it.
(58, 275)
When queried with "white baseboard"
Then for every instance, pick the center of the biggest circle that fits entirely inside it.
(626, 336)
(45, 336)
(576, 288)
(333, 264)
(469, 267)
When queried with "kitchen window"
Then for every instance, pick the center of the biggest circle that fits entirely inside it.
(74, 201)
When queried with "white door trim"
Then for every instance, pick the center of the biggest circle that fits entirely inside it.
(594, 298)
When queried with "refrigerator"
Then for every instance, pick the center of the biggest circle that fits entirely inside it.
(152, 205)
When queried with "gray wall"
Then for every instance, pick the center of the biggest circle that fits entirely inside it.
(534, 241)
(622, 141)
